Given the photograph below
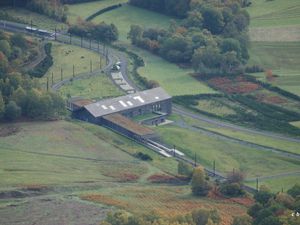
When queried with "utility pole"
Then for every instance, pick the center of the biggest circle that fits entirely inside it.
(257, 184)
(73, 71)
(100, 65)
(47, 83)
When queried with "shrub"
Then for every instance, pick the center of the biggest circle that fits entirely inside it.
(232, 189)
(143, 156)
(12, 111)
(185, 169)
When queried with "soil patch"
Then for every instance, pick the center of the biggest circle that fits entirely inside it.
(8, 131)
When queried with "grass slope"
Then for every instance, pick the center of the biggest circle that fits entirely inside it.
(65, 56)
(84, 10)
(62, 153)
(274, 13)
(282, 58)
(95, 87)
(127, 15)
(41, 21)
(227, 155)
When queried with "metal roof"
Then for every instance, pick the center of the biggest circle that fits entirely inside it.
(114, 105)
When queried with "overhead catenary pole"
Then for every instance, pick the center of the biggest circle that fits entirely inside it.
(52, 78)
(47, 83)
(257, 184)
(214, 166)
(73, 70)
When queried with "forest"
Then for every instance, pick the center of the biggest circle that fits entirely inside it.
(21, 94)
(212, 36)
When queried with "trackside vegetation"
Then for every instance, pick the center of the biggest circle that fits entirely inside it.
(19, 93)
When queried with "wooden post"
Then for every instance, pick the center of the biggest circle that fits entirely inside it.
(70, 38)
(174, 148)
(61, 74)
(195, 163)
(90, 43)
(91, 66)
(55, 33)
(98, 46)
(81, 41)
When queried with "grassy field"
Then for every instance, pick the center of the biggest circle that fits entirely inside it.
(276, 185)
(127, 15)
(94, 88)
(65, 56)
(227, 155)
(38, 20)
(252, 138)
(62, 153)
(83, 10)
(174, 79)
(274, 13)
(165, 200)
(282, 58)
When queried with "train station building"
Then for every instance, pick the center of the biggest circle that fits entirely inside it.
(126, 114)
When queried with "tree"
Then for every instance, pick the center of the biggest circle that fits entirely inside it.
(2, 106)
(242, 220)
(294, 191)
(200, 186)
(12, 111)
(5, 48)
(135, 33)
(212, 20)
(185, 169)
(3, 65)
(19, 41)
(204, 217)
(263, 195)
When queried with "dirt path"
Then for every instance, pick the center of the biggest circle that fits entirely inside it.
(275, 34)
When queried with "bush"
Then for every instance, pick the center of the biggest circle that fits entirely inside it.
(232, 189)
(143, 156)
(12, 111)
(185, 169)
(294, 191)
(254, 69)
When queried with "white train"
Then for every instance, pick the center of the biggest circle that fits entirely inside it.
(39, 31)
